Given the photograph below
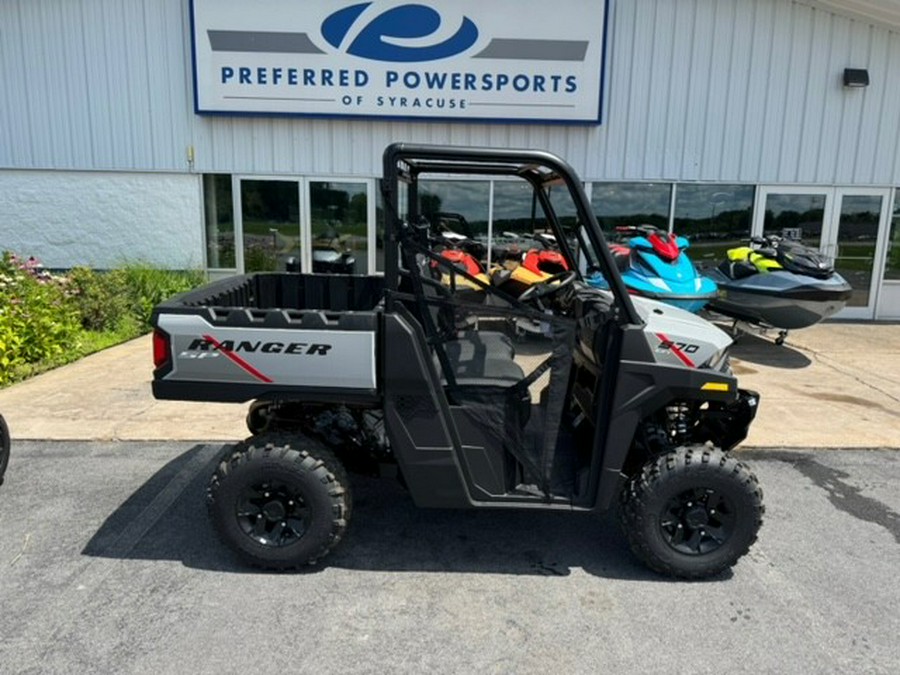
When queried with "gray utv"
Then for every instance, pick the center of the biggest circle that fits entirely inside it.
(623, 402)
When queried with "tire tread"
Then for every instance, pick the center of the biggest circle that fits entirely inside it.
(315, 459)
(641, 486)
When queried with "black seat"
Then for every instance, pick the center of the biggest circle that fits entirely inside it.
(477, 358)
(490, 344)
(462, 345)
(737, 269)
(482, 364)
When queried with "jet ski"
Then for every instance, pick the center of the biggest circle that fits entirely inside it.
(465, 288)
(654, 265)
(778, 283)
(515, 270)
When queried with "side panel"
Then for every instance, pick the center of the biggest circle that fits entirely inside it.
(308, 358)
(418, 420)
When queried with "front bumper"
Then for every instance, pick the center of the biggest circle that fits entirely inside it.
(727, 424)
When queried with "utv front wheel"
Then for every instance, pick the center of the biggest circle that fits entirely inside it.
(278, 507)
(693, 512)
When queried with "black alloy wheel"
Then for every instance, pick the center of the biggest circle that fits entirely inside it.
(281, 501)
(273, 513)
(698, 521)
(692, 512)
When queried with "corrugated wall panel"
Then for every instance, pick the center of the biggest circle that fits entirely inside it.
(867, 150)
(886, 162)
(95, 84)
(712, 90)
(694, 129)
(721, 17)
(775, 113)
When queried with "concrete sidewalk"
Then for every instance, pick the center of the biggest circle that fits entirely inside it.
(835, 385)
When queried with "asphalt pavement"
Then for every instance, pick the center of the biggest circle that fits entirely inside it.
(109, 565)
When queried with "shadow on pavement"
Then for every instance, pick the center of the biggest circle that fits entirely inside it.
(755, 349)
(387, 533)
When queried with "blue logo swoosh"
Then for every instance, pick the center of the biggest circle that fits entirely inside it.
(403, 22)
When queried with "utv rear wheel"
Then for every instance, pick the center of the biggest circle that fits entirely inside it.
(279, 507)
(693, 512)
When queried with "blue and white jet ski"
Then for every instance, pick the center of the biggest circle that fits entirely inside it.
(654, 265)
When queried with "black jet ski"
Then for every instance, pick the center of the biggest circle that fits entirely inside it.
(778, 283)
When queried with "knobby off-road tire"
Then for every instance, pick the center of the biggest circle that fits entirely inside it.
(692, 512)
(4, 448)
(281, 501)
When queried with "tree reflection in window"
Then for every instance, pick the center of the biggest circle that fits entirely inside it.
(713, 217)
(892, 265)
(622, 204)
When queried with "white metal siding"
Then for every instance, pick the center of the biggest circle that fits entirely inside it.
(713, 90)
(102, 218)
(95, 84)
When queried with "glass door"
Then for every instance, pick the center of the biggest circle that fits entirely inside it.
(269, 223)
(797, 213)
(846, 224)
(341, 219)
(852, 240)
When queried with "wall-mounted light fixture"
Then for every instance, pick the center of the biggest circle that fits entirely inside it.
(856, 77)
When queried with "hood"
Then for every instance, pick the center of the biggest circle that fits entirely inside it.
(696, 341)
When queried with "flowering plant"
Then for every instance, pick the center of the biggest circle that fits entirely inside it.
(37, 320)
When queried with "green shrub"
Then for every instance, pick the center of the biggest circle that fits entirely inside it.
(47, 321)
(124, 298)
(148, 286)
(101, 298)
(37, 320)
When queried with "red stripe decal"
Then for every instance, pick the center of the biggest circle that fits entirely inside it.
(237, 359)
(684, 358)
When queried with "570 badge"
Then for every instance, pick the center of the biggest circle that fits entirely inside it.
(681, 350)
(684, 347)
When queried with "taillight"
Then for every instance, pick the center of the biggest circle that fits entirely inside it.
(160, 348)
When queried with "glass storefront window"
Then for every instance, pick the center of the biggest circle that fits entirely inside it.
(714, 218)
(379, 231)
(339, 222)
(219, 217)
(516, 208)
(892, 263)
(402, 195)
(620, 204)
(270, 211)
(457, 206)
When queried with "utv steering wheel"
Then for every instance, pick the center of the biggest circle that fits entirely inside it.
(549, 286)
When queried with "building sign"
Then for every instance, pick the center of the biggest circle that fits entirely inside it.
(505, 60)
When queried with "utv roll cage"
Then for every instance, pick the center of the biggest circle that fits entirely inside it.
(404, 163)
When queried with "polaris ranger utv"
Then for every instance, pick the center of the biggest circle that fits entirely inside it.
(632, 402)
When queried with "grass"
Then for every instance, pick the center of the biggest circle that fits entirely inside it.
(87, 342)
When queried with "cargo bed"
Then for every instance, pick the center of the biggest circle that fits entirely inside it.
(270, 335)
